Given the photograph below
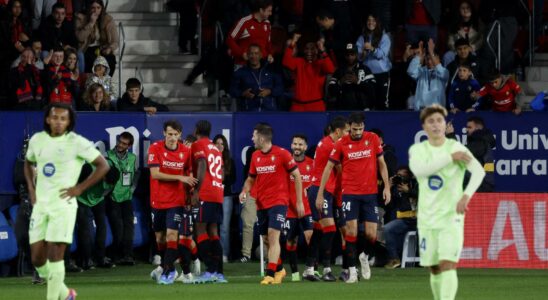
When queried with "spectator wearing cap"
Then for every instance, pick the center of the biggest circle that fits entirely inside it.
(464, 56)
(352, 84)
(374, 52)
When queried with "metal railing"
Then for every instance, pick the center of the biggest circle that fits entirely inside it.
(496, 24)
(531, 31)
(219, 40)
(121, 50)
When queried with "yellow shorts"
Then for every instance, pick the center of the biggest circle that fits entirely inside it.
(53, 223)
(436, 245)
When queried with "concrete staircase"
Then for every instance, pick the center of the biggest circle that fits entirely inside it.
(152, 55)
(536, 79)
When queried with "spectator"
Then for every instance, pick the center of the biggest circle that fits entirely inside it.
(134, 100)
(460, 92)
(503, 92)
(431, 78)
(374, 52)
(36, 46)
(251, 29)
(97, 35)
(335, 30)
(120, 208)
(101, 71)
(310, 73)
(25, 84)
(229, 178)
(188, 12)
(95, 99)
(464, 56)
(71, 63)
(353, 85)
(465, 26)
(40, 9)
(256, 85)
(422, 17)
(405, 196)
(60, 82)
(56, 31)
(248, 212)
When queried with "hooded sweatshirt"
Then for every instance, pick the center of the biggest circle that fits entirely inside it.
(106, 81)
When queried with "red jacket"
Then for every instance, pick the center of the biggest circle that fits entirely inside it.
(504, 98)
(249, 31)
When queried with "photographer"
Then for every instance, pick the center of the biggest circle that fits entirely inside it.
(404, 197)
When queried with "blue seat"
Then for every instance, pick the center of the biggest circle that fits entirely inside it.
(8, 242)
(108, 240)
(140, 236)
(13, 213)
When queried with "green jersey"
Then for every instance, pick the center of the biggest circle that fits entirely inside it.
(58, 162)
(126, 165)
(440, 182)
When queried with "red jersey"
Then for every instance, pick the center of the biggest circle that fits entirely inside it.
(323, 150)
(305, 168)
(167, 194)
(212, 187)
(271, 172)
(504, 99)
(249, 31)
(359, 163)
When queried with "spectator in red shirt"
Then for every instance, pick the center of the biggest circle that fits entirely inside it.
(310, 74)
(359, 154)
(503, 92)
(251, 29)
(269, 173)
(170, 178)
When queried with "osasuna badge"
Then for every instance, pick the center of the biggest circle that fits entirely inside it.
(273, 158)
(366, 143)
(181, 155)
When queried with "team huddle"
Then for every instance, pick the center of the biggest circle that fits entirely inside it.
(336, 193)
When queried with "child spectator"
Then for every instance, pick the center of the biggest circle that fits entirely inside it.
(353, 85)
(502, 91)
(100, 75)
(464, 56)
(25, 85)
(60, 82)
(310, 74)
(460, 92)
(431, 78)
(95, 99)
(133, 99)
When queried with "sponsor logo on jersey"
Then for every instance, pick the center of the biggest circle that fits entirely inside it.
(48, 170)
(173, 164)
(435, 182)
(266, 169)
(359, 154)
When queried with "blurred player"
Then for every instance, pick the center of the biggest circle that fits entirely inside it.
(439, 165)
(58, 154)
(269, 173)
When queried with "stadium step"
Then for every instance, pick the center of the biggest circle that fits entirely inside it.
(136, 6)
(152, 75)
(537, 73)
(533, 87)
(145, 18)
(144, 32)
(151, 47)
(174, 90)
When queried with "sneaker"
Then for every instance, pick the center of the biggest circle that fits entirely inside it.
(73, 268)
(392, 264)
(352, 278)
(196, 267)
(328, 277)
(365, 269)
(344, 276)
(295, 277)
(156, 274)
(126, 261)
(268, 280)
(205, 278)
(36, 279)
(105, 263)
(220, 278)
(225, 259)
(168, 277)
(245, 259)
(279, 276)
(185, 278)
(156, 260)
(72, 294)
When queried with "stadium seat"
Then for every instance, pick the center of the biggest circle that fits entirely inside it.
(108, 240)
(13, 213)
(410, 249)
(8, 243)
(140, 236)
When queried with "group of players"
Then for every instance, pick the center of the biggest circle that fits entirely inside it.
(340, 188)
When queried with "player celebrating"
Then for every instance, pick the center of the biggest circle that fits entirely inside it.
(439, 165)
(269, 171)
(293, 224)
(207, 165)
(358, 153)
(323, 236)
(169, 162)
(58, 154)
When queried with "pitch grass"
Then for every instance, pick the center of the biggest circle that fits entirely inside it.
(134, 283)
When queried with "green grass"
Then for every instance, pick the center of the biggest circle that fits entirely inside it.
(134, 283)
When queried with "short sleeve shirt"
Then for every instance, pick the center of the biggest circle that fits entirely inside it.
(305, 168)
(212, 187)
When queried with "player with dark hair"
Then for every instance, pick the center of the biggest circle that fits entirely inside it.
(269, 172)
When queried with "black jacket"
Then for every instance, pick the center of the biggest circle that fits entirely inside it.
(124, 104)
(52, 36)
(353, 96)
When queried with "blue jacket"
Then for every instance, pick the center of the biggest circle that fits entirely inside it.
(263, 78)
(430, 83)
(378, 61)
(459, 93)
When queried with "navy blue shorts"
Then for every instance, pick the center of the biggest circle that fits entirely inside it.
(293, 226)
(340, 220)
(360, 207)
(273, 217)
(189, 217)
(327, 208)
(210, 212)
(169, 218)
